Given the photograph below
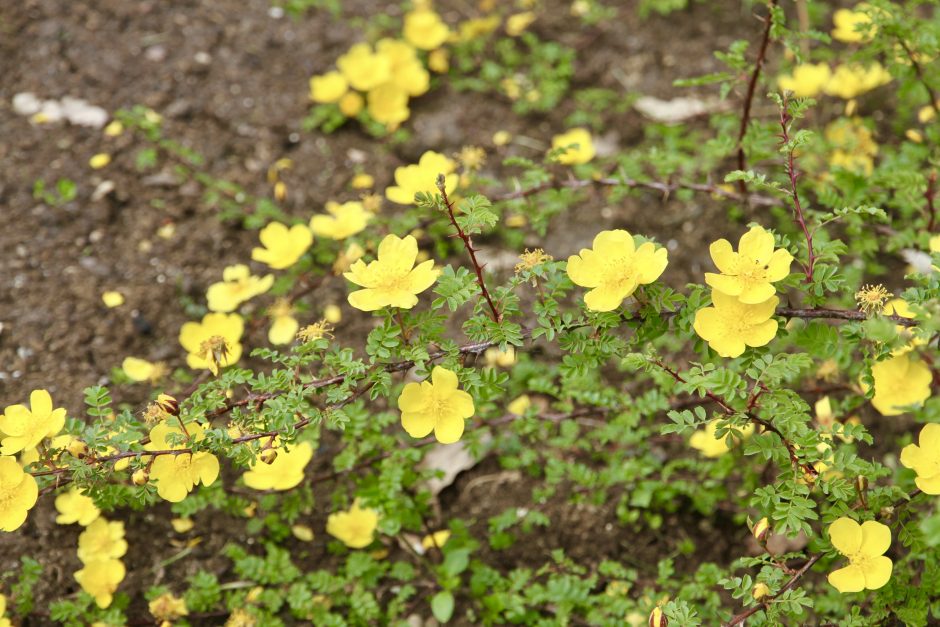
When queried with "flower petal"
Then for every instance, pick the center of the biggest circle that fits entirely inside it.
(757, 293)
(422, 277)
(650, 263)
(728, 285)
(929, 485)
(40, 402)
(877, 572)
(449, 429)
(414, 397)
(876, 538)
(418, 424)
(761, 334)
(444, 380)
(605, 298)
(583, 269)
(366, 300)
(613, 243)
(724, 256)
(846, 536)
(779, 266)
(757, 244)
(848, 579)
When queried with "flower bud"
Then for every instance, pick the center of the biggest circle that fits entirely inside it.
(168, 404)
(657, 618)
(140, 476)
(761, 530)
(760, 590)
(861, 483)
(268, 455)
(77, 448)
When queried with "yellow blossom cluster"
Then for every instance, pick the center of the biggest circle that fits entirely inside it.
(853, 147)
(743, 296)
(848, 81)
(100, 548)
(382, 79)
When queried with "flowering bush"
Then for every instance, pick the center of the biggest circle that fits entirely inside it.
(321, 400)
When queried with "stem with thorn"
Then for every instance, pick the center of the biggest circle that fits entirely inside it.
(793, 174)
(468, 244)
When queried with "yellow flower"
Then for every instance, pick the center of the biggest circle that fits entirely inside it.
(422, 177)
(407, 72)
(437, 539)
(100, 578)
(494, 357)
(332, 314)
(530, 259)
(4, 621)
(581, 153)
(354, 527)
(708, 444)
(854, 148)
(102, 539)
(852, 26)
(517, 23)
(851, 81)
(23, 428)
(75, 507)
(241, 618)
(177, 475)
(112, 299)
(439, 61)
(614, 268)
(18, 494)
(392, 280)
(344, 220)
(750, 272)
(351, 104)
(329, 87)
(283, 323)
(284, 473)
(282, 247)
(478, 27)
(730, 325)
(167, 607)
(807, 80)
(99, 161)
(865, 546)
(435, 405)
(501, 138)
(363, 68)
(362, 181)
(345, 259)
(871, 298)
(114, 128)
(237, 286)
(519, 406)
(302, 533)
(138, 369)
(388, 105)
(900, 381)
(925, 459)
(182, 525)
(196, 338)
(424, 29)
(315, 331)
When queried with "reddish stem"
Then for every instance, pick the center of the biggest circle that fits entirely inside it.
(793, 174)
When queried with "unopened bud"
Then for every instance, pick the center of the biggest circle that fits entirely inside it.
(268, 455)
(140, 476)
(761, 530)
(168, 404)
(760, 590)
(861, 483)
(77, 448)
(254, 594)
(657, 618)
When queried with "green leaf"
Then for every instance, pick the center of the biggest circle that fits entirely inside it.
(442, 606)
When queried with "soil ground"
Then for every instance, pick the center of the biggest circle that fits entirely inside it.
(231, 83)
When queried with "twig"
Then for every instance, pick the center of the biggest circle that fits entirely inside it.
(919, 71)
(739, 619)
(751, 88)
(785, 119)
(839, 314)
(468, 244)
(929, 195)
(657, 186)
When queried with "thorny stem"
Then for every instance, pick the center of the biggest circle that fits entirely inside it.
(468, 244)
(929, 195)
(623, 181)
(839, 314)
(739, 619)
(793, 174)
(730, 411)
(919, 71)
(751, 88)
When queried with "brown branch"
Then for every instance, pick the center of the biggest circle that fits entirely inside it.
(739, 619)
(807, 469)
(751, 88)
(468, 244)
(785, 120)
(656, 186)
(919, 71)
(929, 195)
(839, 314)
